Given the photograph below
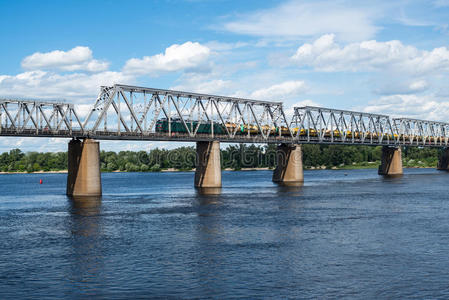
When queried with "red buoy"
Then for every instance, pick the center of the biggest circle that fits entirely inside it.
(40, 181)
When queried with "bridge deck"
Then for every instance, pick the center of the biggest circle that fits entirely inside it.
(179, 137)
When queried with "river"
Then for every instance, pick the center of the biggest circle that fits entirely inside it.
(343, 234)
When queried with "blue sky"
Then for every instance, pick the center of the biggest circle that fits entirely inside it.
(378, 56)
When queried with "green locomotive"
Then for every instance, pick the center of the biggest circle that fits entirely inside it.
(178, 126)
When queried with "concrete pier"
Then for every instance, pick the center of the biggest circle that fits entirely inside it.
(443, 160)
(289, 167)
(391, 161)
(208, 169)
(84, 177)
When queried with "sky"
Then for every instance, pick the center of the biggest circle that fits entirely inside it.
(389, 57)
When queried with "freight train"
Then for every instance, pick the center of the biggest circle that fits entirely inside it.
(177, 126)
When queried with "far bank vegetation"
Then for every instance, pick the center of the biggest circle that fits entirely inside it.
(234, 157)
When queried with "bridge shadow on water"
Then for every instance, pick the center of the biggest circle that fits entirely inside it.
(86, 263)
(292, 188)
(208, 196)
(208, 191)
(393, 178)
(85, 205)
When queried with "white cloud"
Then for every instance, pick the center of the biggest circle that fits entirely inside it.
(220, 46)
(33, 144)
(176, 58)
(214, 86)
(289, 111)
(42, 84)
(30, 144)
(83, 109)
(78, 58)
(303, 19)
(418, 86)
(410, 106)
(324, 54)
(394, 87)
(306, 102)
(281, 91)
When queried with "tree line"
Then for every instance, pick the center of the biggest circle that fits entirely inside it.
(233, 157)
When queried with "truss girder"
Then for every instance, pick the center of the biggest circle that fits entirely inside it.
(181, 113)
(423, 132)
(123, 112)
(38, 117)
(332, 126)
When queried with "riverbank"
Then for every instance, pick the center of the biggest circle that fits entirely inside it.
(349, 167)
(118, 171)
(37, 172)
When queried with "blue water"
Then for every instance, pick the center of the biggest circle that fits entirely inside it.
(344, 234)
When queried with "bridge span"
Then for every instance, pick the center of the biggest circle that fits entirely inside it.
(123, 112)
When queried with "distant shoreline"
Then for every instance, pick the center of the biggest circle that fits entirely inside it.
(37, 172)
(227, 169)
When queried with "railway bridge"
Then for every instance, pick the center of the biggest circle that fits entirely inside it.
(123, 112)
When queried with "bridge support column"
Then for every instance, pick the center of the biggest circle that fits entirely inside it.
(443, 160)
(208, 169)
(84, 178)
(289, 164)
(391, 161)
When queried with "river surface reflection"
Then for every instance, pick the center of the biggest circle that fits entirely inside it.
(340, 234)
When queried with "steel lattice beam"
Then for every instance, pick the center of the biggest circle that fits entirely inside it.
(38, 118)
(123, 112)
(135, 111)
(422, 132)
(333, 126)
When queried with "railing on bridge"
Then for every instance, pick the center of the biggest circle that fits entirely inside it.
(123, 112)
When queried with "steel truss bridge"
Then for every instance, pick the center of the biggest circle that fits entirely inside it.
(123, 112)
